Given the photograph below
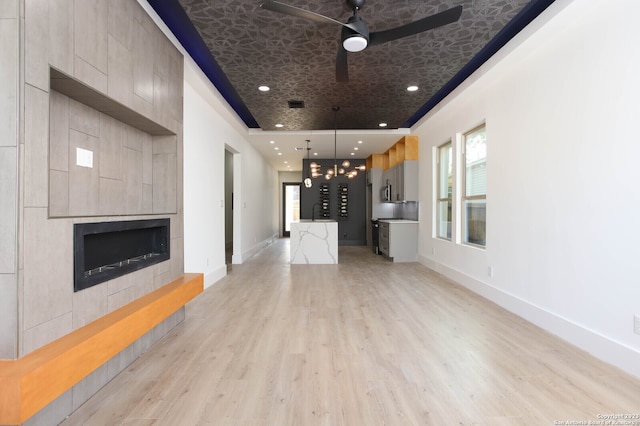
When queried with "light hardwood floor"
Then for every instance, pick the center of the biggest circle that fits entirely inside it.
(365, 342)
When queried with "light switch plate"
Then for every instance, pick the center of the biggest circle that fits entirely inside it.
(84, 158)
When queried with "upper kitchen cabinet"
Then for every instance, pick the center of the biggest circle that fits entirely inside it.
(403, 181)
(401, 170)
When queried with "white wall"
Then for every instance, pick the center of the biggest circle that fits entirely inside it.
(561, 108)
(208, 131)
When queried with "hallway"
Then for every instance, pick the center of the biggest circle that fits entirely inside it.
(365, 342)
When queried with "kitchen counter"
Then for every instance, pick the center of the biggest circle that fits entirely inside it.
(314, 242)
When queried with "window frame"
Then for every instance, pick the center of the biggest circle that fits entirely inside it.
(438, 193)
(464, 198)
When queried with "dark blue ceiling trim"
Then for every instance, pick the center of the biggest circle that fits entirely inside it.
(517, 24)
(178, 22)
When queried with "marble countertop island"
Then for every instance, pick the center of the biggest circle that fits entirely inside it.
(314, 242)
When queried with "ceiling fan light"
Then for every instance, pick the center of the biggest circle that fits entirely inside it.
(354, 43)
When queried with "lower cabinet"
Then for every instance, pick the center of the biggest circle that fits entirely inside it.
(383, 238)
(398, 240)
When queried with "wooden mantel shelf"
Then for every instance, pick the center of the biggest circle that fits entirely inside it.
(30, 383)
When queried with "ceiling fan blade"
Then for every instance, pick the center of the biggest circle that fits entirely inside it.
(296, 11)
(342, 65)
(424, 24)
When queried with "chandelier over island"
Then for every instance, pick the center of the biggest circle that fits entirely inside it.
(344, 168)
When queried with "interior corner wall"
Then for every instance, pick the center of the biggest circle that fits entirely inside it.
(208, 131)
(9, 183)
(560, 103)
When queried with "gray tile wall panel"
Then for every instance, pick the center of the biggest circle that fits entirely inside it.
(9, 9)
(143, 64)
(58, 132)
(115, 48)
(58, 193)
(112, 136)
(36, 134)
(8, 77)
(91, 33)
(61, 35)
(120, 73)
(89, 305)
(8, 209)
(89, 75)
(48, 270)
(8, 316)
(36, 33)
(133, 181)
(83, 118)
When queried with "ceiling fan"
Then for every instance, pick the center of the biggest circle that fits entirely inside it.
(355, 32)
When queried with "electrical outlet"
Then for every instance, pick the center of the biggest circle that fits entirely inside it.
(490, 271)
(433, 250)
(636, 324)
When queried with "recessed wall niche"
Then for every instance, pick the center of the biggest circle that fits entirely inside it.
(104, 158)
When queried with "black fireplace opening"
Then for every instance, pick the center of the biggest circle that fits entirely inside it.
(107, 250)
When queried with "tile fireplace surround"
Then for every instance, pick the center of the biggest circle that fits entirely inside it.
(96, 91)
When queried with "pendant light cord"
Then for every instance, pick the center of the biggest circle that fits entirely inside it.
(335, 139)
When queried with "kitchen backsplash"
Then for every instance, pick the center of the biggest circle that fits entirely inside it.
(408, 210)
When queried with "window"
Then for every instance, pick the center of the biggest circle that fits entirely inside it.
(445, 191)
(474, 200)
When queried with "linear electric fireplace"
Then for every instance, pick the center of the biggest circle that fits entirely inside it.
(107, 250)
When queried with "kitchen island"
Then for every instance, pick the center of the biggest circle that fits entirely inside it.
(314, 242)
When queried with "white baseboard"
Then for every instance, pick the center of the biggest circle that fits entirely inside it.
(213, 277)
(601, 347)
(252, 251)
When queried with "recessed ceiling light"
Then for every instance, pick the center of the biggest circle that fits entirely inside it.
(355, 148)
(286, 162)
(264, 88)
(279, 153)
(276, 148)
(272, 141)
(382, 125)
(412, 88)
(315, 153)
(353, 153)
(359, 141)
(279, 125)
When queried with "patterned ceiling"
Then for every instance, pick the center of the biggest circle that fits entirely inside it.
(296, 58)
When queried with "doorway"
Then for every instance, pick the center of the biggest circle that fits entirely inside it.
(290, 206)
(228, 204)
